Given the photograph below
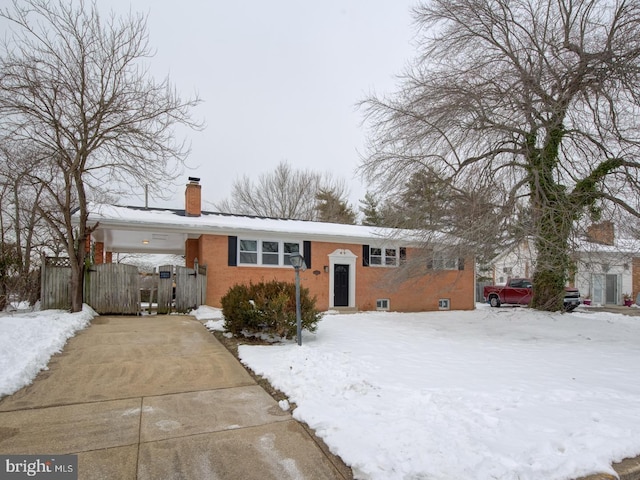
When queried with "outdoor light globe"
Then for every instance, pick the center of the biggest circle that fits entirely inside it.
(297, 261)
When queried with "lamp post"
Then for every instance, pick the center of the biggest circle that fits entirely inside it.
(297, 262)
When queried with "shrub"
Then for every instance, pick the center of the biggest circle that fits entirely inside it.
(268, 308)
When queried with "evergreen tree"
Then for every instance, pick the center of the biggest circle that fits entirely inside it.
(370, 208)
(332, 208)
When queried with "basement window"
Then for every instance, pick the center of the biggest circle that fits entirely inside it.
(382, 304)
(444, 304)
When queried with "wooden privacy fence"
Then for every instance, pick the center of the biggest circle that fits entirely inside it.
(165, 289)
(55, 276)
(184, 288)
(480, 290)
(113, 288)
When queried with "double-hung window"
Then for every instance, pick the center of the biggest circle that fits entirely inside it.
(290, 248)
(445, 263)
(442, 261)
(270, 253)
(266, 252)
(383, 256)
(249, 252)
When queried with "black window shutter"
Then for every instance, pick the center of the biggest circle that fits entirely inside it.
(365, 255)
(233, 251)
(306, 252)
(461, 263)
(403, 255)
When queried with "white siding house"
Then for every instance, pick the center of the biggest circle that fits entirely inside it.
(606, 268)
(516, 262)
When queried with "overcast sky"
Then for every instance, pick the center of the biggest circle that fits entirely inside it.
(279, 80)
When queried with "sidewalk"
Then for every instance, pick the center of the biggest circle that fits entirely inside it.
(158, 398)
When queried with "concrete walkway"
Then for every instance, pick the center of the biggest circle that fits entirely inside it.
(158, 398)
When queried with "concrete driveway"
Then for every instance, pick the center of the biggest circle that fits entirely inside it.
(158, 398)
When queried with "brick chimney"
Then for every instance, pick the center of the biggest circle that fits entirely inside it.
(193, 198)
(602, 233)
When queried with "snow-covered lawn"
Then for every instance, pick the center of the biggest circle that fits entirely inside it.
(28, 340)
(486, 394)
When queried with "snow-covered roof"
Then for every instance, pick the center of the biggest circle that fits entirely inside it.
(621, 245)
(122, 228)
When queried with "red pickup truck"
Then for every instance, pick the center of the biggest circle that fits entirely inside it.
(519, 291)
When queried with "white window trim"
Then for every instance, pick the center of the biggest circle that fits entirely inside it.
(347, 257)
(383, 256)
(281, 254)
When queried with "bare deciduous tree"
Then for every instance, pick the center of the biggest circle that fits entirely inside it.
(538, 97)
(73, 87)
(283, 193)
(24, 232)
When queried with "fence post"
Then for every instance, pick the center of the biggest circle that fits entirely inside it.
(42, 277)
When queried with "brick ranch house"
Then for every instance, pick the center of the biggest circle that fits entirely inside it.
(349, 267)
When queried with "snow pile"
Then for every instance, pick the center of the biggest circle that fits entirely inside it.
(28, 340)
(213, 315)
(205, 312)
(492, 393)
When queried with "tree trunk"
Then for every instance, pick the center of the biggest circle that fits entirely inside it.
(552, 263)
(553, 216)
(76, 286)
(3, 293)
(76, 290)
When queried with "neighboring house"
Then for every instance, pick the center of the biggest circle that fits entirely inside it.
(515, 262)
(606, 268)
(349, 266)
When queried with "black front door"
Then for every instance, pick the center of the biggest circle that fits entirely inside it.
(340, 285)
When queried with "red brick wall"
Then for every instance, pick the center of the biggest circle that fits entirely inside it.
(192, 200)
(372, 283)
(98, 253)
(603, 233)
(191, 252)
